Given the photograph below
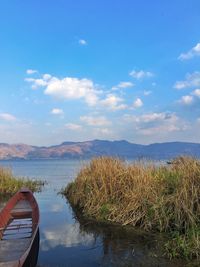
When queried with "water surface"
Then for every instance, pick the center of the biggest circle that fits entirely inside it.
(66, 240)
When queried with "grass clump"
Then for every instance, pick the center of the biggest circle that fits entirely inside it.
(185, 245)
(10, 184)
(155, 198)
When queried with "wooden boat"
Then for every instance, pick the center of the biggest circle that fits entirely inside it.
(19, 221)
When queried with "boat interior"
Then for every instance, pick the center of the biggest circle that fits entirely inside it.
(17, 227)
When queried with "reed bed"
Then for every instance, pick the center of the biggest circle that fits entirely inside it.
(155, 198)
(10, 184)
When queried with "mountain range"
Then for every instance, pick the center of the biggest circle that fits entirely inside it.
(88, 149)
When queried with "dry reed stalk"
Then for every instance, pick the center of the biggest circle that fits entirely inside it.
(163, 198)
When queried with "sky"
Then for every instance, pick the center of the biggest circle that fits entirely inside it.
(74, 70)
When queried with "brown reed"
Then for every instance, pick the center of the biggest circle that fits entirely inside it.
(154, 197)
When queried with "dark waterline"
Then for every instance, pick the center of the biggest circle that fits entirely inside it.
(66, 241)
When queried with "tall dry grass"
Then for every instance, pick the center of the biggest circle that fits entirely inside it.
(161, 198)
(10, 184)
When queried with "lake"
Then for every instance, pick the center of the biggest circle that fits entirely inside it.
(66, 240)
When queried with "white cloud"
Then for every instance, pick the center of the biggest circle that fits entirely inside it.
(103, 132)
(195, 51)
(146, 93)
(166, 128)
(192, 80)
(154, 123)
(137, 103)
(112, 102)
(57, 111)
(82, 42)
(7, 117)
(191, 99)
(186, 100)
(72, 88)
(36, 83)
(123, 85)
(18, 131)
(95, 121)
(196, 92)
(141, 74)
(73, 126)
(67, 88)
(152, 117)
(30, 71)
(91, 98)
(149, 117)
(46, 77)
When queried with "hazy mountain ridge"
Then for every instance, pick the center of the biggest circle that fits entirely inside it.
(93, 148)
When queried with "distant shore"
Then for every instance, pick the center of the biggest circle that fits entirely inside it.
(97, 148)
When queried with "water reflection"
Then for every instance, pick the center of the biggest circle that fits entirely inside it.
(57, 207)
(124, 246)
(66, 235)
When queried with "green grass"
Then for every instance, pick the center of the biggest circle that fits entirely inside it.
(155, 198)
(185, 245)
(10, 184)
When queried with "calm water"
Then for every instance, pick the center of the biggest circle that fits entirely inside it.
(68, 241)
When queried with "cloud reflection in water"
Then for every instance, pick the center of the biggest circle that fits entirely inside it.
(66, 235)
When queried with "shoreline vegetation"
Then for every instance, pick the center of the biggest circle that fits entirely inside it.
(9, 184)
(156, 198)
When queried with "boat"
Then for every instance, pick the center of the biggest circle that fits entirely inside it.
(19, 227)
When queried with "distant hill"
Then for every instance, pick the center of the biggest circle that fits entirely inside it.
(88, 149)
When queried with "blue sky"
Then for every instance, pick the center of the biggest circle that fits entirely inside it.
(80, 70)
